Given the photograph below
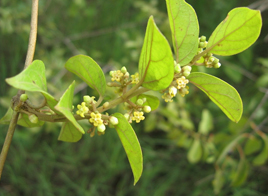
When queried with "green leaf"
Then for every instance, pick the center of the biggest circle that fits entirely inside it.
(89, 71)
(195, 152)
(184, 28)
(33, 79)
(69, 133)
(206, 124)
(221, 93)
(131, 145)
(241, 173)
(261, 158)
(252, 145)
(151, 100)
(229, 148)
(65, 107)
(156, 66)
(23, 120)
(239, 30)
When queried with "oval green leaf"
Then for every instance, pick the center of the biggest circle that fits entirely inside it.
(89, 71)
(156, 66)
(221, 93)
(65, 107)
(184, 28)
(131, 145)
(206, 123)
(195, 153)
(239, 30)
(69, 133)
(33, 79)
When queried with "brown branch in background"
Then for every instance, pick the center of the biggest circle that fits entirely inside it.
(28, 61)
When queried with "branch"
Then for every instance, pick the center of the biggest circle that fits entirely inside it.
(28, 61)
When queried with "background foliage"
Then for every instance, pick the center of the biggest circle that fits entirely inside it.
(112, 33)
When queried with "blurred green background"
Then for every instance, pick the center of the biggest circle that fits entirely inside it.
(111, 32)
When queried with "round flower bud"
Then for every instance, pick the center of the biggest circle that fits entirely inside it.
(177, 68)
(144, 99)
(33, 118)
(106, 105)
(216, 61)
(187, 68)
(87, 99)
(147, 109)
(186, 73)
(217, 65)
(23, 97)
(111, 73)
(126, 75)
(203, 38)
(124, 70)
(211, 59)
(201, 45)
(175, 63)
(101, 128)
(126, 116)
(139, 102)
(113, 120)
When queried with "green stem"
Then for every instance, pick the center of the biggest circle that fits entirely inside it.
(8, 140)
(28, 61)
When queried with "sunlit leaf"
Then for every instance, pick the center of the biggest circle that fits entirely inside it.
(156, 66)
(89, 71)
(195, 153)
(69, 133)
(33, 79)
(221, 93)
(65, 106)
(261, 158)
(241, 173)
(184, 28)
(131, 145)
(239, 30)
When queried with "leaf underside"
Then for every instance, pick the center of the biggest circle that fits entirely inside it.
(184, 28)
(239, 30)
(131, 145)
(221, 93)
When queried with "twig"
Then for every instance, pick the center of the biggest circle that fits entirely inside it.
(28, 61)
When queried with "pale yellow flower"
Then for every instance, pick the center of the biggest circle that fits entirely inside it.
(181, 82)
(82, 109)
(117, 75)
(95, 119)
(135, 78)
(167, 97)
(184, 91)
(138, 116)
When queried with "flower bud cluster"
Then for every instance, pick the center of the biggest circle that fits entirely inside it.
(179, 83)
(211, 61)
(137, 110)
(202, 42)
